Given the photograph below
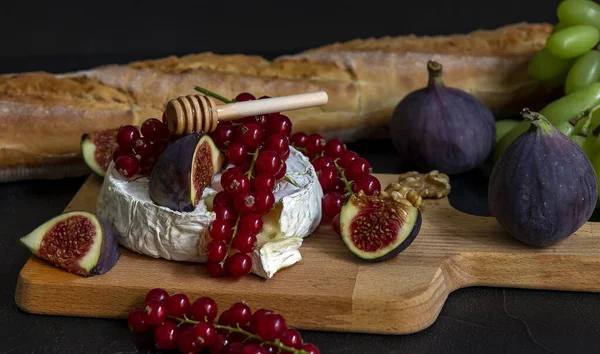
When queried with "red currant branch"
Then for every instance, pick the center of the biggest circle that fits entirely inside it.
(234, 232)
(212, 94)
(254, 157)
(340, 172)
(250, 335)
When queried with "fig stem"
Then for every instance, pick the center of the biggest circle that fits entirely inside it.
(237, 329)
(435, 69)
(538, 120)
(212, 94)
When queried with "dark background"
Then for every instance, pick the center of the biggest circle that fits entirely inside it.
(60, 36)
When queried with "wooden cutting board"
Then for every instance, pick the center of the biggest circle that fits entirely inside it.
(330, 289)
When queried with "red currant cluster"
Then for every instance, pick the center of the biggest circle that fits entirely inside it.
(179, 324)
(137, 153)
(258, 147)
(341, 172)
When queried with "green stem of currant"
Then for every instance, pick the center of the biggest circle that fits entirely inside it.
(212, 94)
(237, 329)
(340, 172)
(233, 233)
(251, 169)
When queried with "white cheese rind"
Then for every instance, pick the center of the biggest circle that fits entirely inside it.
(156, 231)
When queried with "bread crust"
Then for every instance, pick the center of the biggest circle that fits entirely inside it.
(43, 116)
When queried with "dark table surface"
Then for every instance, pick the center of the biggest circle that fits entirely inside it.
(486, 320)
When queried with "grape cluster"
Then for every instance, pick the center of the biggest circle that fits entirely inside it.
(570, 56)
(341, 172)
(137, 153)
(257, 148)
(190, 327)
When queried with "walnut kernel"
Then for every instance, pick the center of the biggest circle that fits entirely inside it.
(428, 185)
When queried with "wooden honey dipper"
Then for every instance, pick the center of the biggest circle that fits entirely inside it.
(195, 113)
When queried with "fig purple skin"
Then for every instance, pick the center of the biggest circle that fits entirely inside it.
(543, 188)
(442, 128)
(109, 253)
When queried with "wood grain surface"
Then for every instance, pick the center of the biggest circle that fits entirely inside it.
(330, 289)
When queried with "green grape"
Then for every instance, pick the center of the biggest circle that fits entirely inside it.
(581, 138)
(557, 27)
(546, 67)
(504, 126)
(573, 41)
(557, 112)
(585, 70)
(579, 12)
(591, 146)
(596, 165)
(568, 106)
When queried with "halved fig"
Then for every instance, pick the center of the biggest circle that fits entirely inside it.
(377, 229)
(77, 241)
(97, 149)
(183, 170)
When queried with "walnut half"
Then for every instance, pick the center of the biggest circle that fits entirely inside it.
(404, 196)
(428, 185)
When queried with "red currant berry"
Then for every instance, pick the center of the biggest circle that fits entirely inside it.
(358, 168)
(291, 338)
(157, 294)
(327, 178)
(155, 312)
(204, 309)
(253, 348)
(259, 120)
(285, 155)
(225, 318)
(136, 321)
(221, 342)
(263, 182)
(281, 173)
(267, 162)
(335, 224)
(154, 130)
(256, 316)
(368, 184)
(220, 230)
(271, 349)
(332, 204)
(314, 144)
(339, 186)
(245, 202)
(239, 265)
(298, 139)
(127, 165)
(237, 153)
(346, 159)
(186, 342)
(244, 241)
(250, 135)
(233, 348)
(310, 348)
(164, 117)
(205, 333)
(322, 162)
(216, 251)
(252, 223)
(264, 201)
(277, 143)
(118, 152)
(126, 137)
(237, 184)
(244, 96)
(216, 269)
(270, 326)
(223, 135)
(165, 336)
(147, 164)
(178, 305)
(240, 314)
(225, 213)
(279, 124)
(222, 198)
(334, 148)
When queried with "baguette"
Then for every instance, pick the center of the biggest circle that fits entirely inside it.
(43, 116)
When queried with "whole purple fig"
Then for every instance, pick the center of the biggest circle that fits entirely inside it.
(442, 128)
(543, 188)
